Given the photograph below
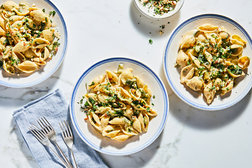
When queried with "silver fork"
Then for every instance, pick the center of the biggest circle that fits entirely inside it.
(50, 133)
(68, 138)
(42, 138)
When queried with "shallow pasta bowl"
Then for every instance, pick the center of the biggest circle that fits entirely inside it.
(52, 65)
(136, 143)
(173, 76)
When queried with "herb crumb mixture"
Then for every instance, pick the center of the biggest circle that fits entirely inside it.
(160, 7)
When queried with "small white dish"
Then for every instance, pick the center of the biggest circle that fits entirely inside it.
(173, 76)
(149, 12)
(52, 65)
(136, 143)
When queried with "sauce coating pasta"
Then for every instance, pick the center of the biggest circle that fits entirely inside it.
(118, 104)
(210, 59)
(28, 38)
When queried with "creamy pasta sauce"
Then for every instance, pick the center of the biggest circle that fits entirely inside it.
(118, 104)
(28, 38)
(210, 59)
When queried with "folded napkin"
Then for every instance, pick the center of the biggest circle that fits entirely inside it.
(54, 107)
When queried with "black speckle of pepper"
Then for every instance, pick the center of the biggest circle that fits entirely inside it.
(162, 26)
(138, 23)
(149, 32)
(168, 23)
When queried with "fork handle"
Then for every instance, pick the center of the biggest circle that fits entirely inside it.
(62, 154)
(65, 164)
(75, 164)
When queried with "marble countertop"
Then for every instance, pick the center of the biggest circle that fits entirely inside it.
(101, 29)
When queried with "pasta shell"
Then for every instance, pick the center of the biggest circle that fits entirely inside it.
(208, 28)
(236, 39)
(38, 15)
(46, 54)
(95, 121)
(40, 43)
(129, 112)
(224, 35)
(112, 77)
(102, 110)
(103, 98)
(195, 83)
(218, 84)
(21, 13)
(236, 50)
(209, 92)
(48, 34)
(121, 137)
(186, 73)
(22, 46)
(39, 61)
(123, 94)
(2, 24)
(104, 121)
(243, 62)
(238, 71)
(139, 81)
(182, 59)
(29, 53)
(209, 57)
(117, 120)
(15, 18)
(9, 5)
(187, 41)
(151, 112)
(2, 47)
(27, 67)
(228, 87)
(137, 125)
(2, 32)
(17, 24)
(129, 130)
(8, 68)
(126, 75)
(109, 131)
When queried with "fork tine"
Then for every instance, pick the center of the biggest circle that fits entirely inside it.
(42, 135)
(47, 122)
(34, 132)
(69, 129)
(43, 126)
(62, 130)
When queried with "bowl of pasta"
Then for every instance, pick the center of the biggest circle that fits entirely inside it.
(33, 41)
(119, 106)
(206, 62)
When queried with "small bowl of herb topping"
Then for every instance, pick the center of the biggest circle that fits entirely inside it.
(158, 9)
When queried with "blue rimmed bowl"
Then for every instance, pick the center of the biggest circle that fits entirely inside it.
(173, 76)
(52, 65)
(136, 143)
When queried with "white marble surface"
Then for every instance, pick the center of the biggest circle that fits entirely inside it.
(100, 29)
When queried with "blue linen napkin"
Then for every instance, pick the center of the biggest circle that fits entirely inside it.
(54, 107)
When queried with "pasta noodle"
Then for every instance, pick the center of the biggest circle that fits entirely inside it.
(210, 59)
(28, 39)
(118, 104)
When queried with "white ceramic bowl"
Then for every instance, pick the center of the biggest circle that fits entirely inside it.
(173, 75)
(136, 143)
(54, 63)
(148, 12)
